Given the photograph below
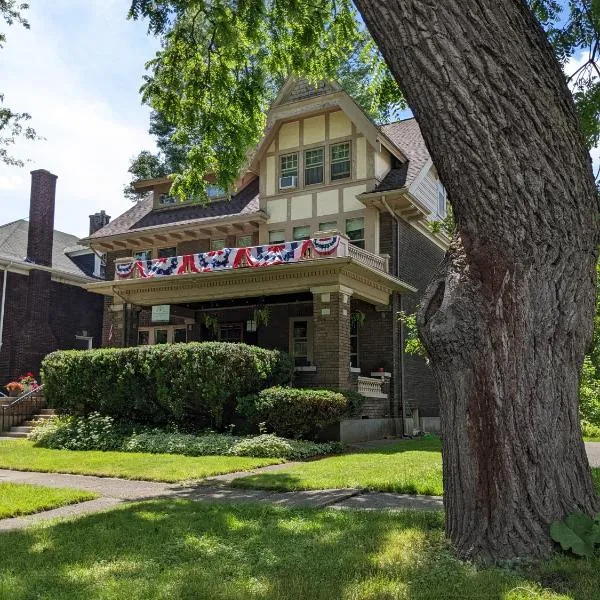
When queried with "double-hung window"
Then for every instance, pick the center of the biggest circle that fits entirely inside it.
(355, 230)
(301, 342)
(302, 232)
(276, 237)
(167, 252)
(288, 168)
(341, 165)
(143, 255)
(314, 161)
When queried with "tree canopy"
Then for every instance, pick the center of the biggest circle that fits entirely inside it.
(12, 123)
(222, 62)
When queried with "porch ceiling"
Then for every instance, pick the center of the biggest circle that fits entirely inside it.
(367, 284)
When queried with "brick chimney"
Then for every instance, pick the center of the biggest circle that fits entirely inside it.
(41, 217)
(98, 221)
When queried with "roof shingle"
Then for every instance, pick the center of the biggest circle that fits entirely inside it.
(13, 247)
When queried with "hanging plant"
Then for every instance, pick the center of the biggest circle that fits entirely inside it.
(358, 318)
(211, 323)
(262, 315)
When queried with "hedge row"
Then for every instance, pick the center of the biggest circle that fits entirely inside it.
(295, 412)
(180, 383)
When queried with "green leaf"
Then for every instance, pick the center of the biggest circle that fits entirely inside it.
(576, 533)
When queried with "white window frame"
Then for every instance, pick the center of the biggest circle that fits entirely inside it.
(86, 338)
(310, 340)
(363, 239)
(170, 333)
(337, 161)
(321, 165)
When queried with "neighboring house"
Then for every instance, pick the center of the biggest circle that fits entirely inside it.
(324, 242)
(44, 305)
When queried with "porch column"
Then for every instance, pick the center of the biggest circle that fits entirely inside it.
(331, 322)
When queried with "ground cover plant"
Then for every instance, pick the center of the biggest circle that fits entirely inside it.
(96, 432)
(21, 455)
(177, 549)
(24, 499)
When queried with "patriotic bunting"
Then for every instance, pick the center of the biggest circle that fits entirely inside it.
(229, 258)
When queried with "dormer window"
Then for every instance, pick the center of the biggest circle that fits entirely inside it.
(288, 167)
(166, 200)
(214, 191)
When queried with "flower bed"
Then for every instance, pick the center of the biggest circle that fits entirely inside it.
(102, 433)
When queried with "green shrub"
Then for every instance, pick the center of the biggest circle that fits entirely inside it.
(355, 401)
(294, 412)
(589, 393)
(178, 383)
(93, 432)
(589, 430)
(100, 433)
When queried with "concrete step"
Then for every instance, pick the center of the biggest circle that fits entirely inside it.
(47, 412)
(14, 434)
(21, 429)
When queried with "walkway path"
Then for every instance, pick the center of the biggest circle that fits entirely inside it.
(115, 491)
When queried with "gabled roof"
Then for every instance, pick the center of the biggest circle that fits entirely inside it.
(142, 217)
(406, 135)
(13, 247)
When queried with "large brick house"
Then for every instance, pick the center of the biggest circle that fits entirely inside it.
(44, 305)
(325, 240)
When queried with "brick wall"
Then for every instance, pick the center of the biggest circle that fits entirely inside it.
(41, 217)
(70, 311)
(331, 312)
(419, 258)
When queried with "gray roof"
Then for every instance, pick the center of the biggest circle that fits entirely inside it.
(141, 216)
(406, 135)
(13, 247)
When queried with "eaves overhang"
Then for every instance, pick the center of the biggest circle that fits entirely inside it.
(366, 283)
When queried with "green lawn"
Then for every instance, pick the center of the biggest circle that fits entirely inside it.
(408, 467)
(23, 499)
(412, 467)
(21, 455)
(182, 550)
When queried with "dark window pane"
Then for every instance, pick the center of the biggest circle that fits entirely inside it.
(160, 336)
(167, 252)
(143, 338)
(180, 336)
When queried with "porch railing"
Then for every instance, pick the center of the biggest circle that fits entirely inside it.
(371, 387)
(267, 255)
(21, 409)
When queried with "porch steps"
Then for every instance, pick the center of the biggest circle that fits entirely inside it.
(21, 431)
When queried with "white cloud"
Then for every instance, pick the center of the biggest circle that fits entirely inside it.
(84, 102)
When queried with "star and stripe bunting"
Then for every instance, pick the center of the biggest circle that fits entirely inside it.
(229, 258)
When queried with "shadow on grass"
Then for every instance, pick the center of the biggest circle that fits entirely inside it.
(186, 550)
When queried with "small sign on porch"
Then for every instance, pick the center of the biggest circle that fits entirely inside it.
(161, 313)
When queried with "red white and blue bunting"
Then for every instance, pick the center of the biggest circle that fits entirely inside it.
(229, 258)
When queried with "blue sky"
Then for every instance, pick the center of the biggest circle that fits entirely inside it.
(77, 71)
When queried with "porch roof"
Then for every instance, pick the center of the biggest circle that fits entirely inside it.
(364, 282)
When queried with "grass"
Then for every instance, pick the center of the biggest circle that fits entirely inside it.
(179, 549)
(412, 467)
(408, 467)
(591, 439)
(23, 499)
(21, 455)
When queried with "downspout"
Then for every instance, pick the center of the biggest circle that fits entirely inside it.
(397, 257)
(3, 301)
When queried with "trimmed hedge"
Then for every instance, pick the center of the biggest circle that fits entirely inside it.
(176, 383)
(295, 412)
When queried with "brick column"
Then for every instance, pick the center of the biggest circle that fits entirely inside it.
(331, 322)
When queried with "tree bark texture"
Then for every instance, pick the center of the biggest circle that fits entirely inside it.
(509, 318)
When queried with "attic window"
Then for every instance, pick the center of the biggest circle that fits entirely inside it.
(166, 200)
(214, 191)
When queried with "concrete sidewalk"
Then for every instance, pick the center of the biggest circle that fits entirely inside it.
(115, 491)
